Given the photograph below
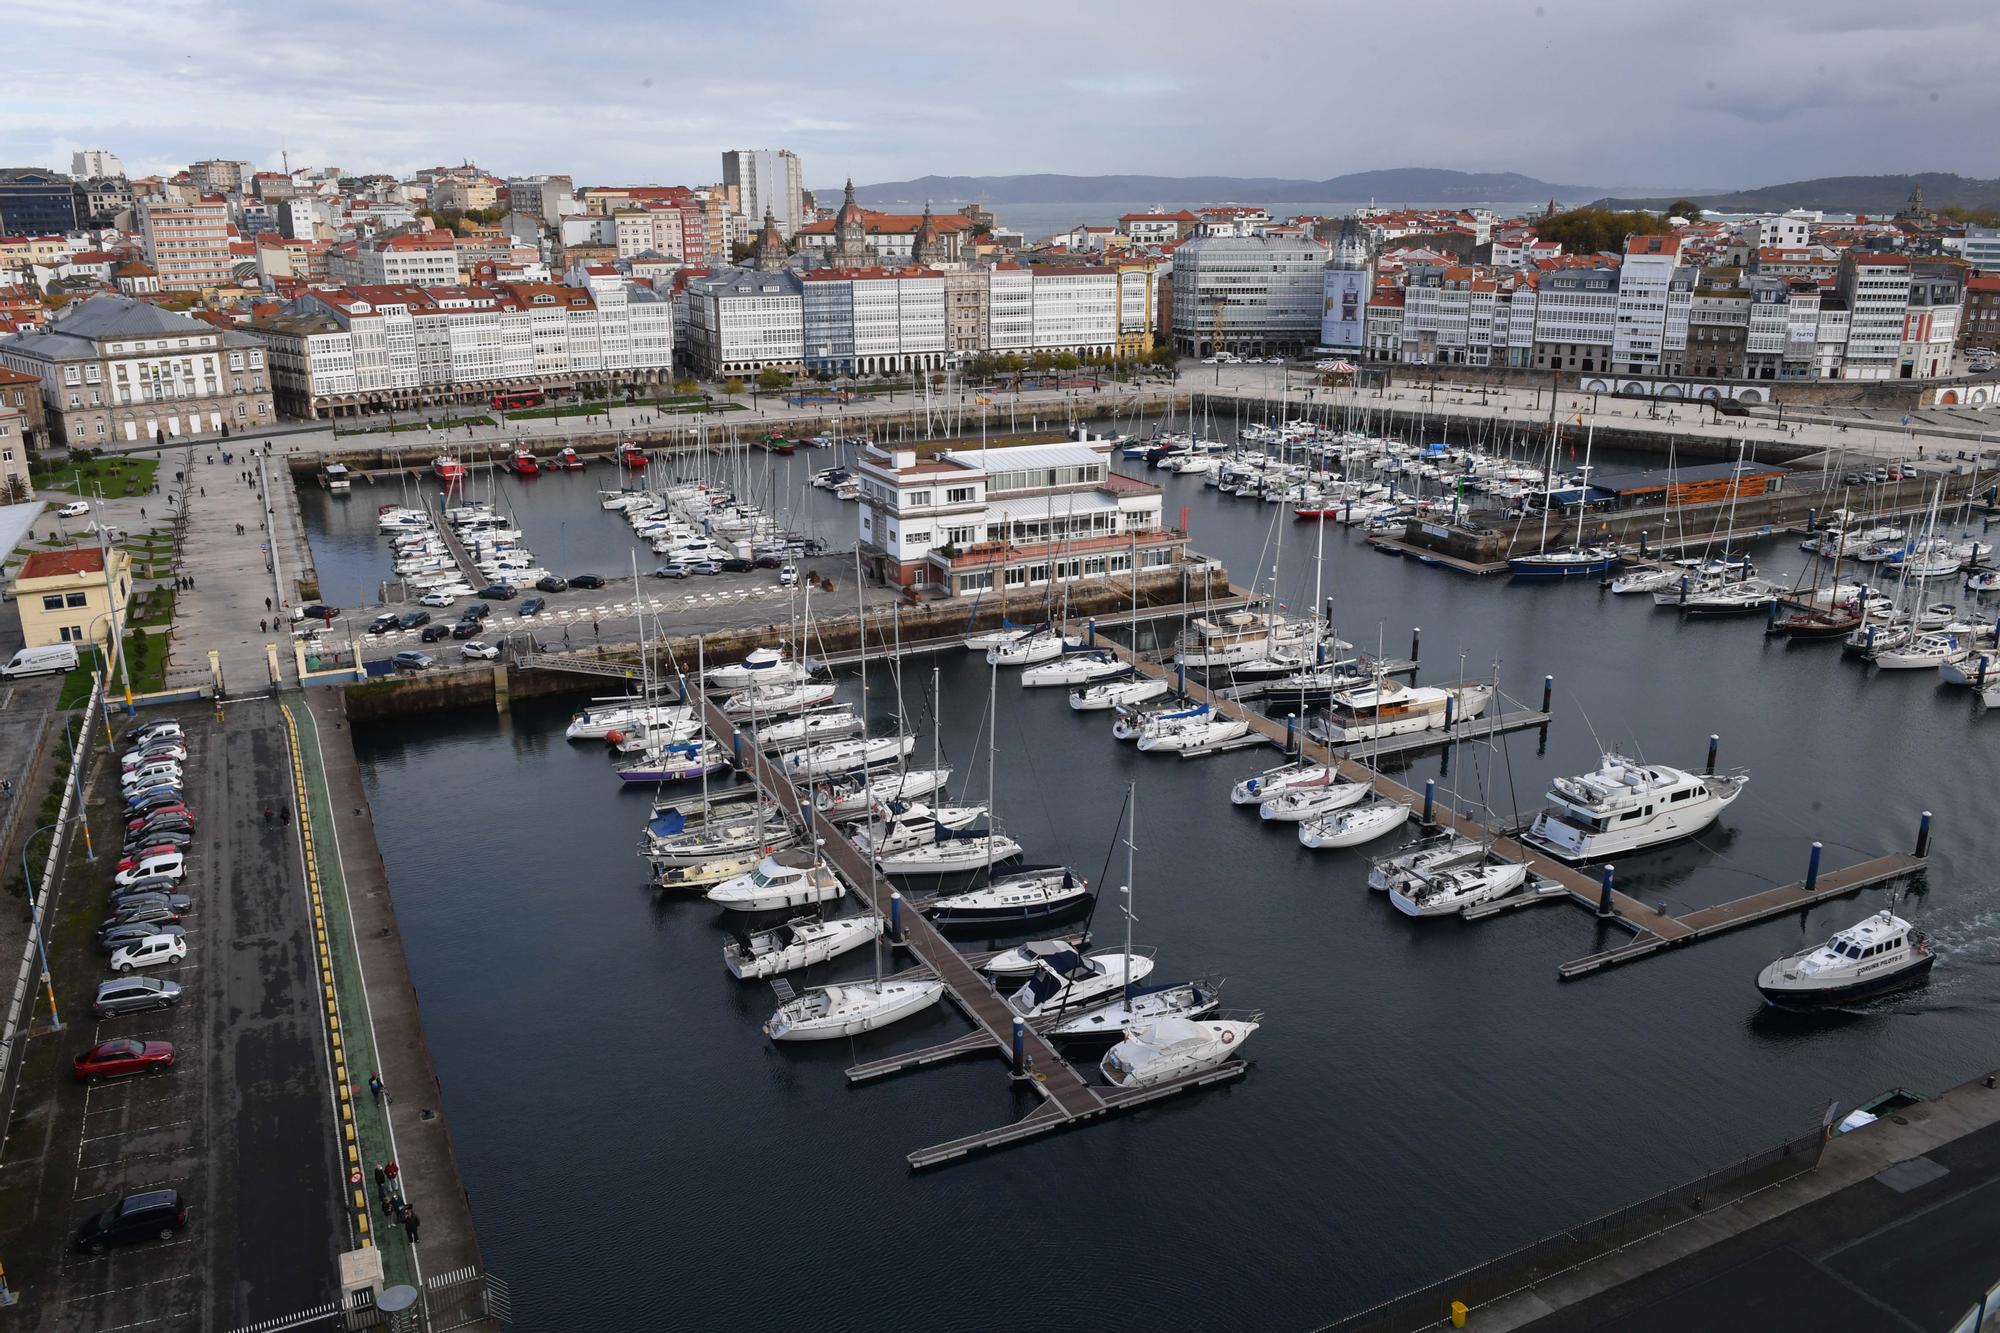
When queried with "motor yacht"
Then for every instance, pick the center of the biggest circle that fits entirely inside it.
(1068, 980)
(1880, 954)
(798, 943)
(1171, 1048)
(793, 878)
(1387, 708)
(1625, 806)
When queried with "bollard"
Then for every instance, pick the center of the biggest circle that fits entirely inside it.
(1430, 798)
(1869, 645)
(1642, 543)
(1091, 631)
(1812, 520)
(1548, 692)
(1714, 744)
(1924, 836)
(1180, 676)
(1983, 660)
(1684, 589)
(1450, 702)
(736, 746)
(1416, 639)
(896, 917)
(1812, 869)
(1020, 1047)
(1291, 733)
(1771, 612)
(1604, 895)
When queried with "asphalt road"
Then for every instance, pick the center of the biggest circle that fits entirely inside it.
(243, 1125)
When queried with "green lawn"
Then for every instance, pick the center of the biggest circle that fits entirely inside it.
(118, 476)
(154, 608)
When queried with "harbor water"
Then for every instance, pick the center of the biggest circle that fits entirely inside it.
(1425, 1093)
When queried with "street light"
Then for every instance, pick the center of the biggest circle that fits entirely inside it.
(35, 919)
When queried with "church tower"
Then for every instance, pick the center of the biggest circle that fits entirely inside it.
(850, 233)
(770, 254)
(928, 247)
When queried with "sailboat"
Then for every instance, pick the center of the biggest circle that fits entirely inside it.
(1286, 777)
(849, 1008)
(1569, 561)
(1118, 693)
(1353, 824)
(1299, 803)
(798, 943)
(952, 852)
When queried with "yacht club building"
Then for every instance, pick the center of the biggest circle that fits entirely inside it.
(1013, 518)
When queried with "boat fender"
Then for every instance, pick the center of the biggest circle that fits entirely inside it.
(1227, 1036)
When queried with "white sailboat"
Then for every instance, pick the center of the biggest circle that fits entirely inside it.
(1303, 774)
(1299, 803)
(1117, 694)
(796, 944)
(850, 1008)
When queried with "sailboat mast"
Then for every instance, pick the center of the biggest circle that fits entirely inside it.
(1131, 878)
(992, 744)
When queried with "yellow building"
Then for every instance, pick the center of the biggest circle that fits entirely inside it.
(63, 598)
(1138, 303)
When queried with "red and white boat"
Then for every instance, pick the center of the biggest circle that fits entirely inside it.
(631, 455)
(525, 464)
(448, 468)
(568, 461)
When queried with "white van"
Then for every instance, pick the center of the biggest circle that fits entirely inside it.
(171, 864)
(40, 661)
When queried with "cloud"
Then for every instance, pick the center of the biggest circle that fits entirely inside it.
(1594, 92)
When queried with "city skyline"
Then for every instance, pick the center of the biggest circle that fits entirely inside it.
(1536, 88)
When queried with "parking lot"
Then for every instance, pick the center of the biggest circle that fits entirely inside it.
(242, 1125)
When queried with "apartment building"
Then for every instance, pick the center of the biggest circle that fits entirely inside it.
(1875, 288)
(544, 198)
(1256, 295)
(343, 350)
(117, 370)
(220, 176)
(1979, 323)
(35, 201)
(188, 244)
(1158, 228)
(766, 180)
(1015, 519)
(406, 258)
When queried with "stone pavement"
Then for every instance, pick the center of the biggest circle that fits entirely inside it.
(235, 583)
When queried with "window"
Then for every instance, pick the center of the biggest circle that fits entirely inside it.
(76, 599)
(959, 495)
(52, 602)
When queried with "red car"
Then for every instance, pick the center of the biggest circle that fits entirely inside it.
(138, 822)
(114, 1059)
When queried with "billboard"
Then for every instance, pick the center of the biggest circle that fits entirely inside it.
(1344, 315)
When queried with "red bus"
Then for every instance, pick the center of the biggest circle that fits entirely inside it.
(513, 398)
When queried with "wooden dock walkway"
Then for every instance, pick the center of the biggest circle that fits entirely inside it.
(1492, 724)
(449, 535)
(1476, 568)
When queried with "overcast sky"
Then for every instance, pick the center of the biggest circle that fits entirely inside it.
(1698, 93)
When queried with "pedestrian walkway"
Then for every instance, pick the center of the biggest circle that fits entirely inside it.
(227, 551)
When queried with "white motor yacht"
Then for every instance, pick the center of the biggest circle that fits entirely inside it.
(796, 944)
(1069, 980)
(1300, 803)
(1117, 693)
(792, 878)
(1386, 708)
(1625, 805)
(1239, 636)
(1354, 825)
(826, 1012)
(1286, 777)
(762, 666)
(1880, 954)
(1170, 1048)
(1448, 891)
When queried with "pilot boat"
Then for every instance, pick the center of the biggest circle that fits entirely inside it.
(1880, 954)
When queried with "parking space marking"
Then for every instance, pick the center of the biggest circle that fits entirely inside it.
(145, 1129)
(148, 1323)
(136, 1286)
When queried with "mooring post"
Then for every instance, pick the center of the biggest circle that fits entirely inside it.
(1450, 709)
(1924, 836)
(1684, 589)
(1548, 692)
(736, 747)
(1291, 734)
(1430, 797)
(1812, 520)
(1714, 745)
(1091, 630)
(1812, 869)
(1416, 642)
(1981, 681)
(1604, 894)
(1020, 1046)
(896, 916)
(1642, 543)
(1180, 676)
(1771, 613)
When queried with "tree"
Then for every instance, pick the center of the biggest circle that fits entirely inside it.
(685, 385)
(1041, 360)
(1067, 361)
(770, 379)
(740, 251)
(1011, 364)
(1163, 356)
(1684, 208)
(732, 386)
(1587, 230)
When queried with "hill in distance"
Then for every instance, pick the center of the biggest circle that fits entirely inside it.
(1395, 186)
(1844, 194)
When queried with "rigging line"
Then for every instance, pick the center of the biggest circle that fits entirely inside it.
(1109, 852)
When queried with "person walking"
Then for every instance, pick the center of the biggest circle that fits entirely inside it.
(410, 1222)
(267, 816)
(375, 1086)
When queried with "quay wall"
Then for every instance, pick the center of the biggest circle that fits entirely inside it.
(1887, 395)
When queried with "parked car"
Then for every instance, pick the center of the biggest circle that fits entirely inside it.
(485, 652)
(314, 611)
(499, 592)
(532, 606)
(131, 995)
(149, 775)
(704, 567)
(75, 509)
(436, 598)
(153, 951)
(675, 570)
(432, 633)
(166, 863)
(152, 798)
(156, 910)
(383, 623)
(165, 815)
(112, 938)
(465, 629)
(411, 661)
(116, 1059)
(769, 561)
(166, 747)
(173, 826)
(146, 847)
(151, 731)
(153, 1214)
(412, 619)
(123, 898)
(477, 611)
(736, 564)
(552, 583)
(586, 581)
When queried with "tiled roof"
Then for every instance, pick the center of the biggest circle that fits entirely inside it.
(63, 564)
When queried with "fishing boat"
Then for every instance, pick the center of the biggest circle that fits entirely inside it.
(568, 460)
(794, 878)
(1169, 1048)
(1024, 897)
(630, 455)
(1304, 774)
(1118, 693)
(1625, 806)
(447, 469)
(853, 797)
(1387, 708)
(1872, 957)
(1300, 803)
(798, 943)
(339, 480)
(1083, 667)
(850, 1008)
(524, 464)
(760, 667)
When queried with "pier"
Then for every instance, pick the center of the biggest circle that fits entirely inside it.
(1653, 929)
(1066, 1099)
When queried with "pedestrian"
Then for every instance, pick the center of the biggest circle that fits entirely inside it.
(375, 1088)
(142, 511)
(410, 1222)
(284, 814)
(395, 1172)
(267, 604)
(261, 629)
(267, 816)
(204, 492)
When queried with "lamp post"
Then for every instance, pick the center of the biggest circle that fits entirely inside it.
(35, 919)
(112, 599)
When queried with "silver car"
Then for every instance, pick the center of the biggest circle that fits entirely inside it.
(130, 995)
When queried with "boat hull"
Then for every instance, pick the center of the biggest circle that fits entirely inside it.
(1796, 997)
